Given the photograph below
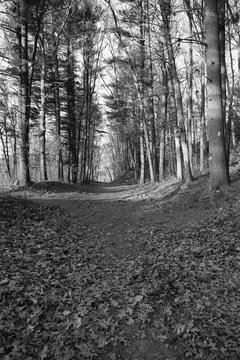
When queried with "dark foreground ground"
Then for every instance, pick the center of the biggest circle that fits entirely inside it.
(119, 271)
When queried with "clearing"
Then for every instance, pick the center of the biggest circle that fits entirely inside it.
(119, 271)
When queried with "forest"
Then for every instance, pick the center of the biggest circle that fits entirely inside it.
(119, 179)
(90, 89)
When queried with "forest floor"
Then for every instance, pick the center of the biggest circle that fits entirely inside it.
(120, 271)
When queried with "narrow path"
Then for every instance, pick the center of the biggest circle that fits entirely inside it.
(103, 209)
(119, 226)
(120, 218)
(114, 259)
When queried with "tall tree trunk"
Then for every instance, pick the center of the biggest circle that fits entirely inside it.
(166, 13)
(222, 44)
(151, 95)
(57, 108)
(231, 92)
(202, 102)
(217, 155)
(177, 135)
(190, 85)
(15, 146)
(141, 88)
(87, 119)
(164, 113)
(71, 113)
(42, 116)
(237, 22)
(24, 97)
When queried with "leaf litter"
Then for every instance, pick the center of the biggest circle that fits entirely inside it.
(74, 286)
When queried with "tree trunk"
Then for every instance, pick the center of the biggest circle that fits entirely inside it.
(177, 135)
(166, 12)
(178, 153)
(142, 156)
(222, 44)
(217, 155)
(190, 85)
(24, 98)
(42, 117)
(15, 160)
(202, 101)
(57, 108)
(5, 150)
(71, 113)
(151, 96)
(162, 146)
(162, 152)
(231, 93)
(141, 88)
(172, 151)
(87, 119)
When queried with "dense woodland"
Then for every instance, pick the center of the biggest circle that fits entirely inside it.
(94, 95)
(92, 87)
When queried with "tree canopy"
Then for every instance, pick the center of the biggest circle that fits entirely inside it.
(150, 74)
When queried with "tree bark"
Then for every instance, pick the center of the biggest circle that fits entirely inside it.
(57, 107)
(142, 156)
(162, 151)
(162, 132)
(24, 97)
(71, 113)
(190, 85)
(202, 102)
(42, 116)
(141, 88)
(217, 155)
(151, 96)
(166, 12)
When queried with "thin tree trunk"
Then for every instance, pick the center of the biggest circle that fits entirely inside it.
(57, 107)
(231, 92)
(172, 151)
(222, 44)
(24, 98)
(5, 152)
(71, 114)
(166, 12)
(15, 162)
(87, 117)
(178, 153)
(151, 96)
(42, 117)
(163, 126)
(203, 118)
(177, 135)
(141, 88)
(142, 156)
(190, 85)
(162, 151)
(236, 3)
(145, 130)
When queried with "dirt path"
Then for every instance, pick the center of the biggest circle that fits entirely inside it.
(119, 214)
(114, 227)
(121, 222)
